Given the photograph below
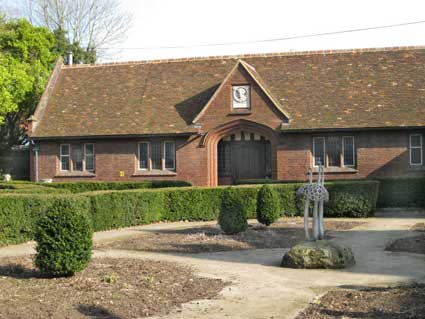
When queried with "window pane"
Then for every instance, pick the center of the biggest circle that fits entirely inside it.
(89, 157)
(144, 156)
(64, 157)
(348, 151)
(77, 158)
(333, 150)
(156, 156)
(65, 163)
(319, 151)
(415, 140)
(170, 155)
(415, 156)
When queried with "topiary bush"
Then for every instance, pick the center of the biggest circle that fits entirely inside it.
(232, 217)
(64, 240)
(268, 206)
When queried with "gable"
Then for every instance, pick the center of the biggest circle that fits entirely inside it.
(263, 108)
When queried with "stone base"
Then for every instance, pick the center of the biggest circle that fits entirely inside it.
(321, 254)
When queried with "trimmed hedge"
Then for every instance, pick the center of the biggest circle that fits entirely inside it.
(115, 209)
(232, 217)
(402, 192)
(268, 205)
(64, 239)
(82, 187)
(19, 213)
(28, 188)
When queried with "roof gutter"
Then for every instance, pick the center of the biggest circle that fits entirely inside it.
(121, 136)
(358, 129)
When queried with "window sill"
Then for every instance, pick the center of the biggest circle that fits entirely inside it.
(417, 168)
(75, 174)
(154, 173)
(337, 170)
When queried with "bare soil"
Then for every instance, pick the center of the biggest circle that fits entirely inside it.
(107, 288)
(379, 303)
(283, 234)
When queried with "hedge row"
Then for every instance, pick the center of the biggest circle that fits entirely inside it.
(115, 209)
(82, 187)
(19, 213)
(28, 188)
(402, 192)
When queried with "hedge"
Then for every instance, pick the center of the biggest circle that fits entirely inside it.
(19, 213)
(115, 209)
(402, 192)
(28, 188)
(82, 187)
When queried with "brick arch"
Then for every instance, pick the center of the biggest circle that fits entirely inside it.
(211, 139)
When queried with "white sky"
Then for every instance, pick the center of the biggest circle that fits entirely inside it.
(191, 22)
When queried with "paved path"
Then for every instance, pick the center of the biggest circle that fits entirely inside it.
(261, 289)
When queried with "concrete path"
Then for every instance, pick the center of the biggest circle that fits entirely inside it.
(261, 289)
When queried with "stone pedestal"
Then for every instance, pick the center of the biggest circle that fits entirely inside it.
(321, 254)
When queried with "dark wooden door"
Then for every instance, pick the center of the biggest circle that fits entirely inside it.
(244, 159)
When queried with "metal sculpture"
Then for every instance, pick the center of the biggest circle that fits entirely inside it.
(317, 193)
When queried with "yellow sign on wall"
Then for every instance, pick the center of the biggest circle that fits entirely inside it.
(122, 174)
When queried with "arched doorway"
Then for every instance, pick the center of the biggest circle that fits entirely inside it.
(243, 155)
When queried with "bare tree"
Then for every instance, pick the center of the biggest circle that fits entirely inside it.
(93, 24)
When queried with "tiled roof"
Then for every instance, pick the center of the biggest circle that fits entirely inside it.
(319, 90)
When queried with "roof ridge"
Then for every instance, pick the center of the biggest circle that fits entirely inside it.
(251, 55)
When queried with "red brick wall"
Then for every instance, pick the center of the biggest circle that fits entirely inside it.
(113, 156)
(379, 153)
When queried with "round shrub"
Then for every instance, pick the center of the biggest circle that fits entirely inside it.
(348, 205)
(268, 206)
(64, 239)
(232, 217)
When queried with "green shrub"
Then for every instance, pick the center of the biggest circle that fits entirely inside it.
(64, 239)
(28, 188)
(402, 192)
(232, 218)
(349, 198)
(82, 187)
(268, 206)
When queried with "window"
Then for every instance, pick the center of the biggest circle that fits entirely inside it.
(64, 157)
(77, 158)
(348, 150)
(144, 156)
(334, 151)
(157, 156)
(416, 149)
(89, 157)
(319, 151)
(169, 155)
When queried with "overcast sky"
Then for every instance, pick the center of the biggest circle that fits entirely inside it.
(159, 23)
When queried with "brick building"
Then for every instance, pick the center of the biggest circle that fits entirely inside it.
(215, 120)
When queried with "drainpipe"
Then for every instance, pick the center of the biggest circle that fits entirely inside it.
(36, 149)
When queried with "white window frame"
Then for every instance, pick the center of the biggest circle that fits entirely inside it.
(62, 155)
(149, 156)
(343, 152)
(314, 150)
(94, 158)
(415, 147)
(174, 167)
